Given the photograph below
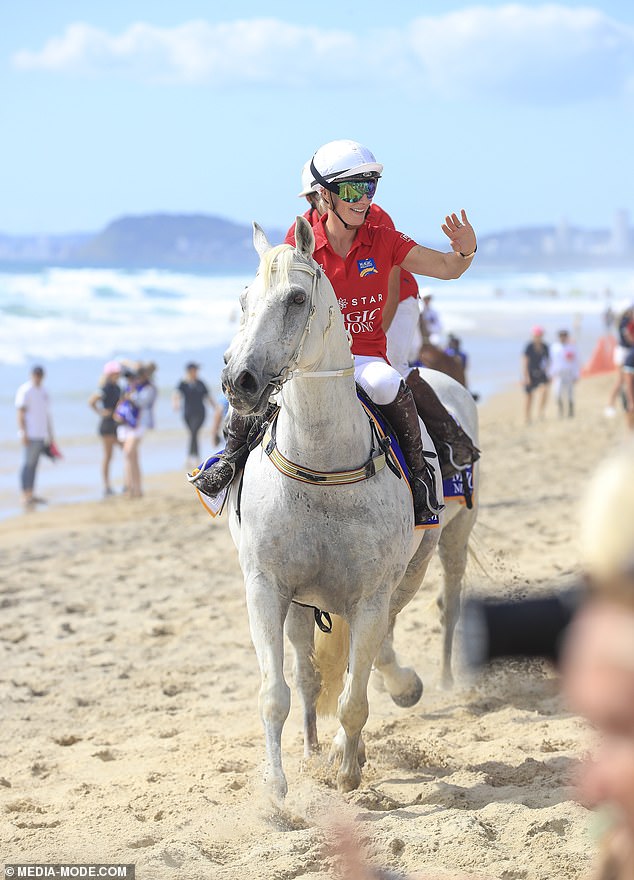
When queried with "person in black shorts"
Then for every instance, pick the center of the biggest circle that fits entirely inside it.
(192, 394)
(536, 363)
(104, 403)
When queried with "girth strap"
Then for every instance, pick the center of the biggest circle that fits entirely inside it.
(373, 465)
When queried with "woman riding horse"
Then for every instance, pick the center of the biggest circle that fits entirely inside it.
(357, 258)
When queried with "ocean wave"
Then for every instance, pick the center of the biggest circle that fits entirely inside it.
(57, 312)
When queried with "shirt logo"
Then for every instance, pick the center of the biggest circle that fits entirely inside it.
(367, 267)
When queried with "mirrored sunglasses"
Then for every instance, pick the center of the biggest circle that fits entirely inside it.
(354, 190)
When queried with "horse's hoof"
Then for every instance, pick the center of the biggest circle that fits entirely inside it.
(346, 783)
(411, 695)
(446, 682)
(276, 789)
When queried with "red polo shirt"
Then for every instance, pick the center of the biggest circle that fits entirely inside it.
(360, 280)
(377, 217)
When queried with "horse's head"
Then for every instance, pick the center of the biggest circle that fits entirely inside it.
(277, 311)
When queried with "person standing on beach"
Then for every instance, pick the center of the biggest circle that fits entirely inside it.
(431, 325)
(535, 366)
(35, 430)
(564, 369)
(628, 386)
(624, 346)
(191, 394)
(358, 257)
(104, 402)
(134, 415)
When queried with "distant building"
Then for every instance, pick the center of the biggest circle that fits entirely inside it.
(620, 239)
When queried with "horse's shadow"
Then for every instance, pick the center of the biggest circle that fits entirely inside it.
(533, 784)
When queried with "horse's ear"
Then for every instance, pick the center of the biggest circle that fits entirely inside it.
(260, 241)
(304, 238)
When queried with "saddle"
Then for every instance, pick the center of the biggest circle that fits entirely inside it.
(385, 451)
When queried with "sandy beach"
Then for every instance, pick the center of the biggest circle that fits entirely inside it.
(129, 690)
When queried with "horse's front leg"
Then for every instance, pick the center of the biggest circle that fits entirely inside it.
(267, 612)
(401, 682)
(367, 630)
(300, 629)
(453, 552)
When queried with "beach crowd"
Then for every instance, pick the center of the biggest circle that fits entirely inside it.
(125, 405)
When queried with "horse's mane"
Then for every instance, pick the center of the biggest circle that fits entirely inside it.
(279, 258)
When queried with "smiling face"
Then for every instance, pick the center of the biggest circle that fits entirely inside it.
(352, 201)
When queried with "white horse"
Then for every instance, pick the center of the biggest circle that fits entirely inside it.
(319, 521)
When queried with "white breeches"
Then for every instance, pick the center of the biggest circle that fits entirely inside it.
(400, 336)
(378, 379)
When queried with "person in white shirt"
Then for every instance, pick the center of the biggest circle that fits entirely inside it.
(564, 369)
(35, 430)
(430, 319)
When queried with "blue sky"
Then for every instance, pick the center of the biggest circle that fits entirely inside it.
(522, 113)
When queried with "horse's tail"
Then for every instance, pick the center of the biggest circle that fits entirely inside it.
(331, 661)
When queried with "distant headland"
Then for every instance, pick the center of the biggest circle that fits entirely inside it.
(199, 242)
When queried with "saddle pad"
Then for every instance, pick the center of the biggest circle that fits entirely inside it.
(453, 489)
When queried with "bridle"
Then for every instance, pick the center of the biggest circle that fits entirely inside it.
(309, 372)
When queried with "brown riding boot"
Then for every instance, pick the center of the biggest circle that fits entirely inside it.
(403, 417)
(455, 449)
(219, 475)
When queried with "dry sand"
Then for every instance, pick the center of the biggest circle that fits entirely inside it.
(129, 691)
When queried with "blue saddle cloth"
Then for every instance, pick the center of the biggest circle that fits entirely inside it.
(452, 487)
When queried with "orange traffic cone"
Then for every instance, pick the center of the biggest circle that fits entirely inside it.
(602, 358)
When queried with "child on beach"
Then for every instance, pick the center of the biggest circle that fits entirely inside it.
(564, 369)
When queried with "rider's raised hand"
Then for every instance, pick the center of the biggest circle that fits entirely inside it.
(460, 233)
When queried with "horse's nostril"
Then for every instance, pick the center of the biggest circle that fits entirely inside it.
(246, 382)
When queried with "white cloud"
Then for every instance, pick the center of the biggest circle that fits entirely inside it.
(518, 52)
(523, 52)
(241, 52)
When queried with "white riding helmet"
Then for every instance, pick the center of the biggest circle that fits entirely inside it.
(341, 160)
(308, 186)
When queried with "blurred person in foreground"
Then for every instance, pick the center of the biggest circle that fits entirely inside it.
(35, 430)
(597, 678)
(598, 659)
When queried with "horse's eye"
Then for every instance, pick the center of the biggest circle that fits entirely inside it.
(299, 298)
